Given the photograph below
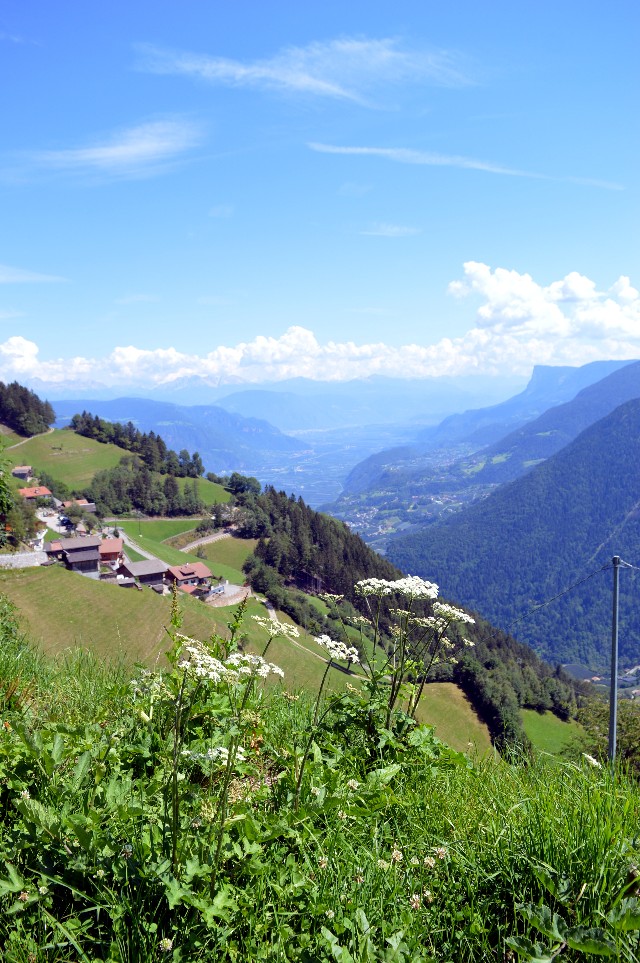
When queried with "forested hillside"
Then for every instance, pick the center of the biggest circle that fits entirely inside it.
(536, 536)
(299, 546)
(23, 411)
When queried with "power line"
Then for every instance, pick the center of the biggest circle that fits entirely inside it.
(559, 595)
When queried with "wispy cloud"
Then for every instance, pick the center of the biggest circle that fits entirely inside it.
(345, 69)
(391, 230)
(13, 275)
(405, 155)
(134, 151)
(519, 323)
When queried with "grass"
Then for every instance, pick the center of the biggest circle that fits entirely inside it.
(67, 457)
(157, 529)
(209, 492)
(320, 843)
(446, 707)
(131, 624)
(10, 437)
(227, 556)
(548, 733)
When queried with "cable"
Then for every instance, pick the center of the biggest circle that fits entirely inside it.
(559, 595)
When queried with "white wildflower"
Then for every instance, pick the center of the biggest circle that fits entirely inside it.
(323, 862)
(415, 901)
(429, 862)
(441, 852)
(329, 914)
(451, 613)
(338, 650)
(166, 945)
(353, 784)
(252, 665)
(592, 760)
(396, 856)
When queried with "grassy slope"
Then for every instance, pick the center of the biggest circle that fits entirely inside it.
(446, 707)
(72, 459)
(547, 732)
(228, 556)
(209, 492)
(66, 456)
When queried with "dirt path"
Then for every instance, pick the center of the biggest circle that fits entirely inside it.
(24, 440)
(205, 540)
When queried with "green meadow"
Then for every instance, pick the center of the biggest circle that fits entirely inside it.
(66, 456)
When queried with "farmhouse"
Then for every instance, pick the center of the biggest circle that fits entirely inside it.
(149, 572)
(110, 550)
(189, 576)
(82, 503)
(24, 472)
(81, 554)
(32, 494)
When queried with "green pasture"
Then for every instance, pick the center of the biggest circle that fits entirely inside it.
(548, 733)
(227, 556)
(8, 437)
(209, 492)
(157, 529)
(66, 456)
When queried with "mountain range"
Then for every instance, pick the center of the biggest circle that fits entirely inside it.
(549, 534)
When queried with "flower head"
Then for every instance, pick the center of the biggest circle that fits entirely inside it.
(166, 945)
(338, 650)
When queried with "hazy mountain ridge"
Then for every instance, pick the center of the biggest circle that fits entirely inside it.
(429, 482)
(223, 440)
(535, 536)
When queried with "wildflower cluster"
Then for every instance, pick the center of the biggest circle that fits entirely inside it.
(277, 629)
(338, 650)
(252, 665)
(411, 586)
(195, 658)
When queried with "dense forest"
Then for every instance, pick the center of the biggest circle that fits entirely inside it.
(132, 486)
(23, 411)
(149, 446)
(550, 533)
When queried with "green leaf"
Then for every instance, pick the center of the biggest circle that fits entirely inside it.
(529, 951)
(590, 941)
(544, 920)
(626, 915)
(81, 768)
(15, 883)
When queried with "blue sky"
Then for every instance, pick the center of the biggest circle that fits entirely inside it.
(252, 189)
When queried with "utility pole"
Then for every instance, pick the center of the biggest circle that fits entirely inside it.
(613, 693)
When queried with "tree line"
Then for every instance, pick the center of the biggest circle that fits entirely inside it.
(23, 411)
(132, 486)
(148, 446)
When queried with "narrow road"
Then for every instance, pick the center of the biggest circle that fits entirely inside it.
(24, 440)
(205, 540)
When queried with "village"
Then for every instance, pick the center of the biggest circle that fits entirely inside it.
(101, 552)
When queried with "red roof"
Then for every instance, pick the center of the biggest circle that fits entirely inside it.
(189, 570)
(188, 588)
(110, 546)
(39, 492)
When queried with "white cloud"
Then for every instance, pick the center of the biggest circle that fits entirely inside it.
(13, 275)
(143, 149)
(406, 155)
(390, 230)
(518, 323)
(346, 69)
